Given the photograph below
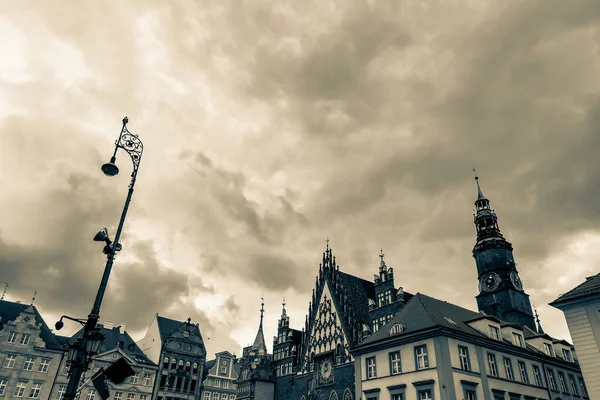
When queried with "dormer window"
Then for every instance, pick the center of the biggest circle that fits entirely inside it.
(384, 298)
(518, 339)
(567, 355)
(396, 329)
(494, 332)
(548, 349)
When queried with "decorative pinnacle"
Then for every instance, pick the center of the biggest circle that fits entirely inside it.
(479, 194)
(262, 308)
(283, 313)
(33, 299)
(381, 255)
(327, 241)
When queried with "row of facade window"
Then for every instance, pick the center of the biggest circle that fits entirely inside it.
(218, 396)
(378, 323)
(395, 363)
(384, 298)
(517, 339)
(21, 389)
(284, 369)
(12, 338)
(424, 394)
(280, 354)
(11, 360)
(177, 384)
(173, 364)
(91, 395)
(221, 383)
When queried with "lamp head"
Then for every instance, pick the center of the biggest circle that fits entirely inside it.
(59, 325)
(110, 168)
(101, 236)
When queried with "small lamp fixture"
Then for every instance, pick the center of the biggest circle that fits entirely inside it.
(110, 168)
(73, 351)
(93, 342)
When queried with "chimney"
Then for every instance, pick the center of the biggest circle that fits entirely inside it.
(109, 324)
(122, 328)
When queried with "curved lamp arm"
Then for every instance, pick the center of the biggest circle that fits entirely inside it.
(131, 144)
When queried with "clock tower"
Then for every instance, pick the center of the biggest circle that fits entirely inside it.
(501, 292)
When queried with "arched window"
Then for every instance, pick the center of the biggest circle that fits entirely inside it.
(188, 365)
(180, 364)
(173, 363)
(333, 395)
(347, 395)
(166, 362)
(303, 398)
(195, 370)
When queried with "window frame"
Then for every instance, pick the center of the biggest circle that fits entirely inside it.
(567, 355)
(494, 332)
(492, 362)
(9, 361)
(464, 357)
(395, 362)
(36, 388)
(573, 385)
(522, 366)
(424, 356)
(537, 376)
(518, 339)
(551, 380)
(371, 368)
(25, 338)
(508, 368)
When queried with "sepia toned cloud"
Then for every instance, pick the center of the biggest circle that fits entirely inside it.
(269, 127)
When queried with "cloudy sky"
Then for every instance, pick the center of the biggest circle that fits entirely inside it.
(270, 125)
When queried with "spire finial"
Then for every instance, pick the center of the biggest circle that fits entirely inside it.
(262, 308)
(537, 320)
(479, 194)
(33, 299)
(327, 241)
(283, 313)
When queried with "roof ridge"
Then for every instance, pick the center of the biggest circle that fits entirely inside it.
(420, 295)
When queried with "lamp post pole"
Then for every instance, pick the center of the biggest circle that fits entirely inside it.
(83, 350)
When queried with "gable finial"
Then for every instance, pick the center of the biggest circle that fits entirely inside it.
(327, 242)
(283, 313)
(479, 193)
(537, 320)
(33, 299)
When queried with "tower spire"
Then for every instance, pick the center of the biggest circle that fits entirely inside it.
(262, 309)
(283, 312)
(259, 341)
(479, 193)
(537, 320)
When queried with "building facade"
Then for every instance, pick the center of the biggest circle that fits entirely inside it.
(220, 375)
(30, 355)
(178, 349)
(117, 343)
(581, 307)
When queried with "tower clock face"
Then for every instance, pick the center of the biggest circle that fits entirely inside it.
(489, 282)
(326, 371)
(516, 281)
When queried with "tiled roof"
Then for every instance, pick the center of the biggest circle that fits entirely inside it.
(166, 326)
(113, 339)
(590, 287)
(9, 311)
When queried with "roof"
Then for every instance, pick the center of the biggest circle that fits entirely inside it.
(591, 287)
(9, 311)
(113, 338)
(424, 312)
(166, 326)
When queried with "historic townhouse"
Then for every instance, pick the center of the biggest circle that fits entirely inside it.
(219, 377)
(581, 307)
(30, 355)
(117, 344)
(178, 349)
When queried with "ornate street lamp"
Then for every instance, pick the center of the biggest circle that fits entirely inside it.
(83, 349)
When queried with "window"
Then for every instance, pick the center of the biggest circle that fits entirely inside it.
(523, 372)
(232, 397)
(147, 379)
(20, 389)
(537, 376)
(395, 363)
(173, 364)
(398, 396)
(12, 337)
(494, 332)
(573, 385)
(35, 390)
(425, 395)
(61, 392)
(130, 396)
(371, 368)
(24, 339)
(225, 384)
(143, 397)
(135, 378)
(384, 298)
(470, 395)
(195, 368)
(224, 396)
(421, 359)
(28, 366)
(206, 395)
(118, 395)
(188, 366)
(396, 329)
(567, 355)
(44, 363)
(91, 394)
(223, 370)
(215, 396)
(561, 382)
(508, 369)
(3, 383)
(518, 339)
(463, 356)
(166, 363)
(551, 380)
(492, 364)
(548, 349)
(180, 365)
(581, 385)
(375, 325)
(9, 361)
(217, 382)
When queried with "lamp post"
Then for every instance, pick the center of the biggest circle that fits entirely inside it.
(83, 349)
